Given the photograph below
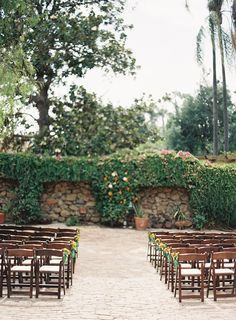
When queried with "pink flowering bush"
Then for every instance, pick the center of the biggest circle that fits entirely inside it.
(165, 152)
(184, 155)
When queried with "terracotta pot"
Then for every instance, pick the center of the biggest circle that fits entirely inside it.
(183, 224)
(141, 223)
(2, 217)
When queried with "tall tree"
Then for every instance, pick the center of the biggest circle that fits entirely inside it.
(233, 15)
(222, 38)
(215, 8)
(82, 125)
(191, 129)
(70, 37)
(16, 72)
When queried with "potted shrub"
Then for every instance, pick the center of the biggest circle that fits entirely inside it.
(141, 221)
(181, 220)
(2, 217)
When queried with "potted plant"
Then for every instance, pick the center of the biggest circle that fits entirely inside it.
(141, 221)
(181, 220)
(2, 217)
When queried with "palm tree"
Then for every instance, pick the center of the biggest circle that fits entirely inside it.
(215, 8)
(200, 36)
(217, 34)
(233, 15)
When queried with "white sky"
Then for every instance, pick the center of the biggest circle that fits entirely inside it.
(163, 41)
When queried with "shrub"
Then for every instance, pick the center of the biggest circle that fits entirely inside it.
(117, 179)
(72, 221)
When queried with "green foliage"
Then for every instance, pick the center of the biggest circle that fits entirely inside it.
(178, 214)
(199, 221)
(72, 221)
(138, 210)
(77, 37)
(117, 179)
(191, 128)
(82, 125)
(214, 195)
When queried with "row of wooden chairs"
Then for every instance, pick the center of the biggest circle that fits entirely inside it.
(37, 259)
(195, 266)
(27, 268)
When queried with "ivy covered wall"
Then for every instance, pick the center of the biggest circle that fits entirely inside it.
(116, 181)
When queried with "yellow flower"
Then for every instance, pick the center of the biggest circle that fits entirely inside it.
(114, 173)
(77, 237)
(66, 252)
(125, 179)
(110, 194)
(73, 245)
(175, 255)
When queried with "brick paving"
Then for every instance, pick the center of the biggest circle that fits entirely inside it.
(113, 281)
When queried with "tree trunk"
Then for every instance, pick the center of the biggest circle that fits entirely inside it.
(215, 107)
(163, 124)
(234, 13)
(225, 104)
(42, 104)
(234, 23)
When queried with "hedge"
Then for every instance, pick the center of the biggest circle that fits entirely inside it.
(117, 179)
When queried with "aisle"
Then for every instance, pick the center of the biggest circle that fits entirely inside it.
(116, 282)
(113, 281)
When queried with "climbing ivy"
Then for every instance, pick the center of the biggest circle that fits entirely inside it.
(117, 179)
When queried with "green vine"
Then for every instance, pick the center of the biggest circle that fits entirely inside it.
(116, 181)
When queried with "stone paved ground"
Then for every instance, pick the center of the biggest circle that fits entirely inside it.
(113, 281)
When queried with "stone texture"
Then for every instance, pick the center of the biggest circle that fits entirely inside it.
(160, 203)
(6, 191)
(51, 202)
(62, 200)
(65, 199)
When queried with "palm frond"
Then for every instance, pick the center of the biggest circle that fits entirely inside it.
(228, 46)
(199, 51)
(233, 37)
(187, 5)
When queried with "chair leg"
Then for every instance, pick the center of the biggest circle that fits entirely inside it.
(59, 286)
(214, 286)
(37, 284)
(176, 282)
(180, 289)
(8, 273)
(31, 285)
(202, 286)
(63, 278)
(1, 284)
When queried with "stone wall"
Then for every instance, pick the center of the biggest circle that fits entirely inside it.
(160, 203)
(64, 199)
(6, 191)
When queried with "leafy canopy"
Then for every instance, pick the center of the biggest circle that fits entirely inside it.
(82, 125)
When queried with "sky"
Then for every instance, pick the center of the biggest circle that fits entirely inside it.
(163, 41)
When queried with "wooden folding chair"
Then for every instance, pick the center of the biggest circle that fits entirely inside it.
(46, 271)
(68, 262)
(2, 268)
(185, 277)
(172, 268)
(222, 275)
(165, 259)
(18, 274)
